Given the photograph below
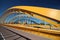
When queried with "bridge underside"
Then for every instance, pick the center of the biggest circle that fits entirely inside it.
(30, 23)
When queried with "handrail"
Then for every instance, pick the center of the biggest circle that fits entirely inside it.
(51, 34)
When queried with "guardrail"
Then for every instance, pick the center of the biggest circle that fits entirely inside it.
(53, 33)
(56, 32)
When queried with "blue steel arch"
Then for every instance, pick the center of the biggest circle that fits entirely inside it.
(24, 16)
(27, 20)
(12, 15)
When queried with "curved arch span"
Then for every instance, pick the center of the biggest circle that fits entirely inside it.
(38, 12)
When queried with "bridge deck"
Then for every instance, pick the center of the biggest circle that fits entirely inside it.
(8, 35)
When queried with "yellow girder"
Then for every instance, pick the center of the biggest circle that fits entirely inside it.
(48, 12)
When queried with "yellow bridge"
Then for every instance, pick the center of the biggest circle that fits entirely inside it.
(46, 26)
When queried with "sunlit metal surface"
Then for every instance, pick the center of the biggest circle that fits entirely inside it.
(33, 20)
(53, 13)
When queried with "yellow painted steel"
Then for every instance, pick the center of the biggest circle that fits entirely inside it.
(52, 13)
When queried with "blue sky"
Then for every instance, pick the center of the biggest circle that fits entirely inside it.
(5, 4)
